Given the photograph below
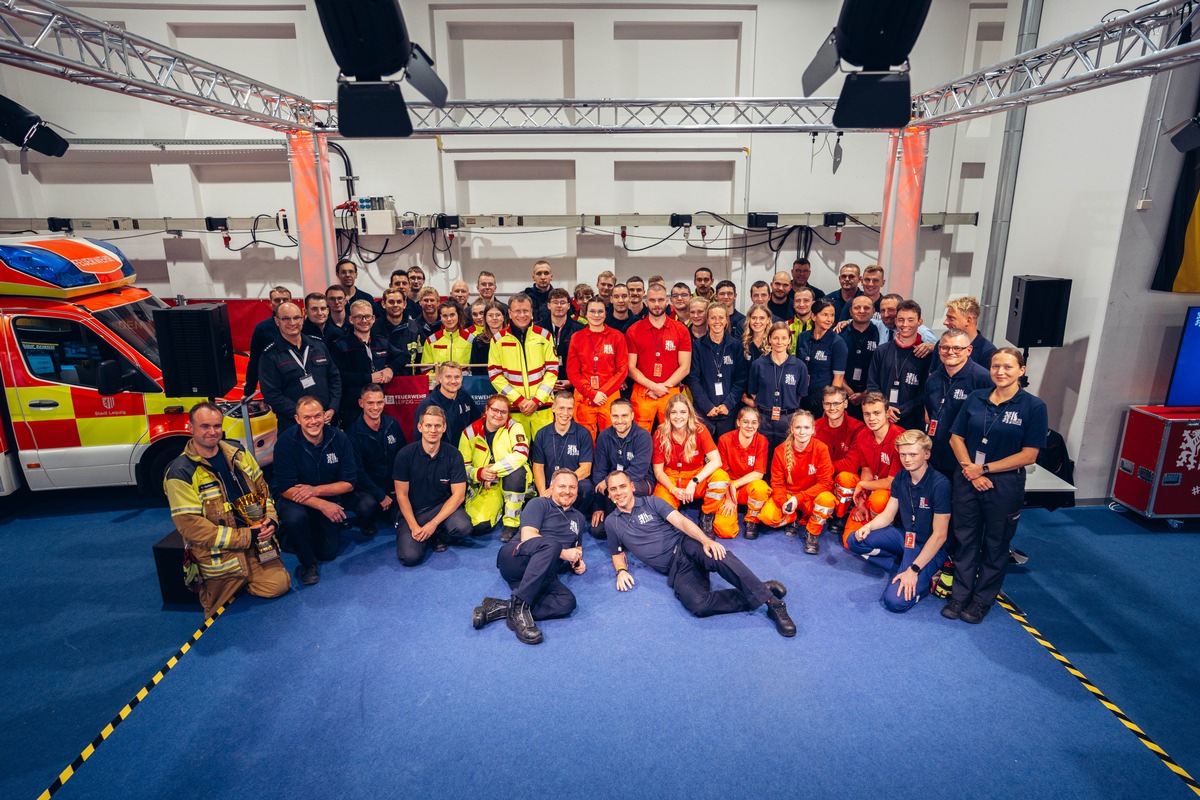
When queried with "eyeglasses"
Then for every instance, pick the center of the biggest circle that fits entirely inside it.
(680, 296)
(290, 319)
(950, 348)
(834, 404)
(361, 317)
(497, 410)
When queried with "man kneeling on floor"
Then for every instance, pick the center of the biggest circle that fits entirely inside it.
(202, 486)
(912, 528)
(668, 542)
(431, 486)
(551, 535)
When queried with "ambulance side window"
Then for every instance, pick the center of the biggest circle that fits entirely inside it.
(62, 351)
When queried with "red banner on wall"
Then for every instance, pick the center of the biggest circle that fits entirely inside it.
(404, 393)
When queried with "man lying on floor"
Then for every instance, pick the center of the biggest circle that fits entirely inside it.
(665, 540)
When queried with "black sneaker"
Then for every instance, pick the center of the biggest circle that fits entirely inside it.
(974, 613)
(812, 544)
(507, 533)
(369, 530)
(836, 525)
(751, 530)
(777, 613)
(776, 588)
(952, 610)
(308, 575)
(440, 546)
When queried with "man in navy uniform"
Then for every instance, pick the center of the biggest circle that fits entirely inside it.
(296, 365)
(431, 486)
(564, 445)
(376, 438)
(621, 447)
(264, 333)
(665, 540)
(448, 395)
(899, 373)
(315, 475)
(947, 388)
(550, 543)
(911, 530)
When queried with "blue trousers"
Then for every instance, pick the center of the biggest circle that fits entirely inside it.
(884, 548)
(689, 577)
(531, 570)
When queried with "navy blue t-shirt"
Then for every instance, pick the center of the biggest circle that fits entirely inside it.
(1001, 431)
(299, 461)
(429, 478)
(567, 451)
(564, 526)
(645, 532)
(822, 358)
(944, 399)
(860, 349)
(918, 504)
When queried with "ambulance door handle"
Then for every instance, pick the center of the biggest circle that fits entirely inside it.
(43, 404)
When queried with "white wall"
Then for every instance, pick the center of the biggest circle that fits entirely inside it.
(1080, 166)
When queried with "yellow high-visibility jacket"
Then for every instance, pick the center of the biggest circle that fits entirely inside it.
(524, 370)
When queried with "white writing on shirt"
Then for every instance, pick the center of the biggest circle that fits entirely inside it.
(608, 351)
(644, 519)
(790, 380)
(331, 458)
(1011, 418)
(572, 450)
(911, 379)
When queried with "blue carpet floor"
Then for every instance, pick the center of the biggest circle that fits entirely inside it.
(373, 683)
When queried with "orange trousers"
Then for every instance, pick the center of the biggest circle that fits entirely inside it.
(712, 489)
(647, 411)
(593, 417)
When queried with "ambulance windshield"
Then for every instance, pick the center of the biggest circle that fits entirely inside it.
(134, 323)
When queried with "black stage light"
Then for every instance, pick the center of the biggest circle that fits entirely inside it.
(369, 41)
(1186, 135)
(24, 128)
(876, 36)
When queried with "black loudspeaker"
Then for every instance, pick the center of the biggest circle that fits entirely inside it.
(196, 350)
(1037, 311)
(372, 110)
(877, 34)
(368, 38)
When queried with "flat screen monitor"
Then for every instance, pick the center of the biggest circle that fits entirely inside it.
(1185, 380)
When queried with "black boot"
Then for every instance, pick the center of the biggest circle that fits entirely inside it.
(706, 524)
(812, 544)
(751, 530)
(520, 622)
(491, 610)
(507, 533)
(777, 613)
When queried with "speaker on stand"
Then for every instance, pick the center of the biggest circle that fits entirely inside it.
(196, 350)
(1037, 313)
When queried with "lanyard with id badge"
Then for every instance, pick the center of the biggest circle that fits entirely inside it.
(306, 381)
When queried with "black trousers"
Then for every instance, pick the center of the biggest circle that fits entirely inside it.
(531, 569)
(776, 430)
(719, 426)
(689, 577)
(367, 508)
(310, 533)
(455, 528)
(984, 525)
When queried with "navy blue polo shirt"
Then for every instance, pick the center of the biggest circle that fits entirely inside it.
(376, 452)
(778, 385)
(564, 526)
(299, 461)
(917, 503)
(429, 478)
(645, 532)
(567, 451)
(860, 349)
(460, 410)
(999, 431)
(899, 375)
(822, 357)
(632, 454)
(944, 399)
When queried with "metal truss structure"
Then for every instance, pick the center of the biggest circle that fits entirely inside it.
(701, 115)
(54, 40)
(1144, 42)
(45, 37)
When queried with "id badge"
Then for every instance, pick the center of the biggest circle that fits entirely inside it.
(776, 412)
(980, 458)
(894, 396)
(307, 382)
(933, 427)
(719, 389)
(658, 370)
(596, 382)
(910, 540)
(857, 374)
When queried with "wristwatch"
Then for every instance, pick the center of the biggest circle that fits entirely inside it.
(913, 566)
(985, 469)
(696, 481)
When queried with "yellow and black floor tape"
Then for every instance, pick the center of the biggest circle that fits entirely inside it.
(1015, 611)
(74, 766)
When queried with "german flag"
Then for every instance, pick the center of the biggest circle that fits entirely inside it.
(1179, 265)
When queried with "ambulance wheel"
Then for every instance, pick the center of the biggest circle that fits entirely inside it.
(156, 464)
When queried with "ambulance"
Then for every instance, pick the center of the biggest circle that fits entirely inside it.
(83, 402)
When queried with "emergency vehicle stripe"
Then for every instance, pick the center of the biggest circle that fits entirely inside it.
(87, 752)
(1016, 613)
